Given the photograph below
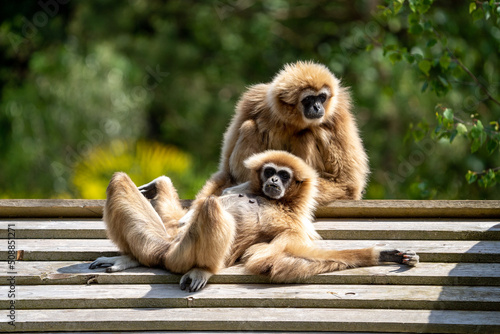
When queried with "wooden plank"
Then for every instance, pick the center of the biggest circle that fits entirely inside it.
(409, 229)
(429, 251)
(477, 298)
(364, 229)
(81, 228)
(410, 208)
(426, 273)
(41, 208)
(340, 209)
(254, 319)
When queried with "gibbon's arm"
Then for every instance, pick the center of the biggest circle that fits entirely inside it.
(239, 189)
(328, 190)
(215, 185)
(289, 258)
(237, 147)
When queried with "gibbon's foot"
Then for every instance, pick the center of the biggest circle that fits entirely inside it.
(149, 190)
(195, 279)
(408, 257)
(115, 263)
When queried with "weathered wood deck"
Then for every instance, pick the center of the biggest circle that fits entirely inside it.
(456, 288)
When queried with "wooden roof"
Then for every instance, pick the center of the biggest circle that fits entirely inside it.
(456, 288)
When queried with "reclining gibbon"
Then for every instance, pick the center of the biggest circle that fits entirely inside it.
(304, 111)
(266, 223)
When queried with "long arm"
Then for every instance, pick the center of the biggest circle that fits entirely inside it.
(287, 258)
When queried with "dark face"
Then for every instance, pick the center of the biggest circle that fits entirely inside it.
(275, 180)
(313, 106)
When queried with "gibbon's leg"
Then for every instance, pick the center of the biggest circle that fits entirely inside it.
(165, 201)
(202, 245)
(132, 223)
(290, 262)
(115, 263)
(167, 204)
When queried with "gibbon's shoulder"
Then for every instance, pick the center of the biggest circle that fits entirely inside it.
(253, 100)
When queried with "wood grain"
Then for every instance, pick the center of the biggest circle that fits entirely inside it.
(257, 319)
(478, 298)
(426, 273)
(45, 208)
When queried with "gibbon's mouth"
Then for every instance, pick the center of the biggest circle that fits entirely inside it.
(313, 115)
(273, 191)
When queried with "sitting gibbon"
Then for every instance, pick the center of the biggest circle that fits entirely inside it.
(266, 223)
(304, 110)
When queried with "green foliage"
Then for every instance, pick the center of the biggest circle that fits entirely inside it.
(440, 59)
(99, 72)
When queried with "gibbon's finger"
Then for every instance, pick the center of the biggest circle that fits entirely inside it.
(96, 264)
(185, 280)
(410, 258)
(197, 284)
(101, 262)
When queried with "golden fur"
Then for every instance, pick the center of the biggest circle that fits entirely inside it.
(270, 116)
(273, 237)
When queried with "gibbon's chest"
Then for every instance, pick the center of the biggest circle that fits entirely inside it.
(311, 146)
(245, 208)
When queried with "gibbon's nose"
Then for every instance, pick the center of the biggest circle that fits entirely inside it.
(274, 179)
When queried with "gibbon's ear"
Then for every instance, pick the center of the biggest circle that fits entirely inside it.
(301, 171)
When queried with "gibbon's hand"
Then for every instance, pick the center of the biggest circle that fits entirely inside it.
(196, 279)
(408, 257)
(114, 263)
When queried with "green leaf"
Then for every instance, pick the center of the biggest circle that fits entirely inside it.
(424, 86)
(445, 61)
(395, 57)
(448, 114)
(413, 5)
(492, 146)
(477, 15)
(471, 177)
(472, 7)
(461, 129)
(425, 66)
(409, 58)
(431, 42)
(416, 29)
(390, 47)
(479, 125)
(453, 134)
(476, 144)
(397, 4)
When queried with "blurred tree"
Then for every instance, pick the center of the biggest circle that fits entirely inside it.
(76, 77)
(439, 52)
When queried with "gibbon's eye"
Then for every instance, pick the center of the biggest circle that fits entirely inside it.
(308, 100)
(268, 172)
(322, 97)
(284, 175)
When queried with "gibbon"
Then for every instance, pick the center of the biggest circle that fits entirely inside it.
(304, 111)
(265, 222)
